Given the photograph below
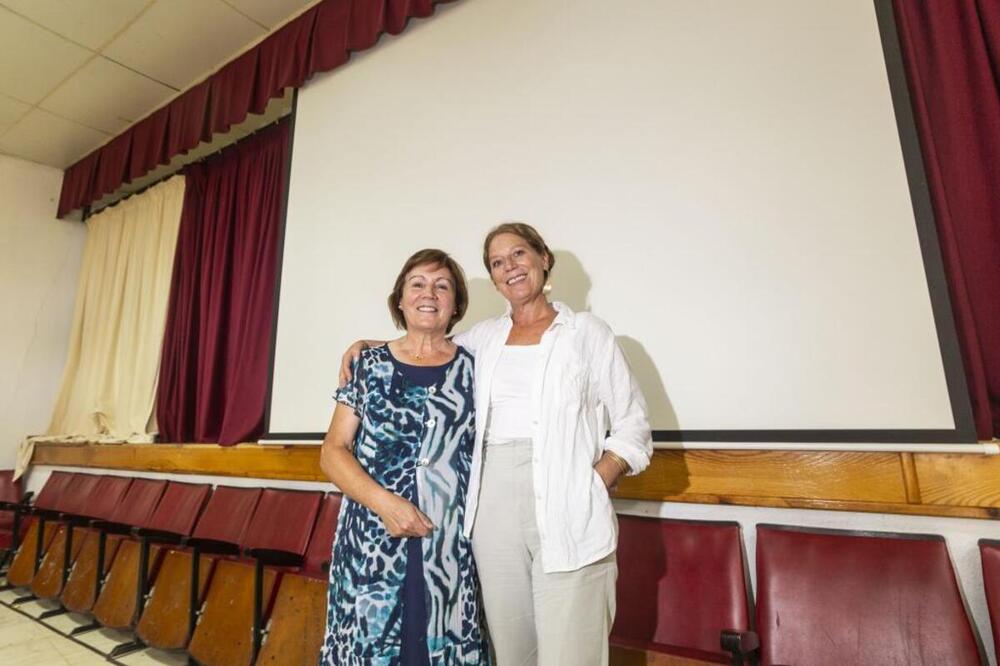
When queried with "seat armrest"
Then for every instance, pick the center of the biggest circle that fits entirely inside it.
(741, 645)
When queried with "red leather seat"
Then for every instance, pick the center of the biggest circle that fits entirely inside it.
(317, 559)
(39, 534)
(680, 584)
(838, 597)
(115, 514)
(88, 498)
(990, 551)
(298, 620)
(11, 494)
(230, 627)
(168, 511)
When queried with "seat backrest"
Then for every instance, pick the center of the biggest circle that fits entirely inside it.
(227, 515)
(990, 551)
(139, 502)
(179, 508)
(78, 494)
(283, 521)
(55, 486)
(10, 490)
(321, 543)
(680, 584)
(839, 597)
(107, 497)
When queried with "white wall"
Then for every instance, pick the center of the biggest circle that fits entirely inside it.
(38, 275)
(961, 535)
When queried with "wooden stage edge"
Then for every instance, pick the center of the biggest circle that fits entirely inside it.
(929, 484)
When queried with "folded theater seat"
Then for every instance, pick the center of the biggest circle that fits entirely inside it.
(39, 532)
(682, 585)
(294, 633)
(13, 504)
(128, 589)
(243, 584)
(186, 563)
(52, 562)
(831, 597)
(100, 497)
(101, 544)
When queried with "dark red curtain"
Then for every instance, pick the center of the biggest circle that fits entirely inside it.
(318, 40)
(952, 56)
(217, 344)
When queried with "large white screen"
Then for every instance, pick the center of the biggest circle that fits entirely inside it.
(722, 182)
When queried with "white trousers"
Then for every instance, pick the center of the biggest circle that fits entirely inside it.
(534, 618)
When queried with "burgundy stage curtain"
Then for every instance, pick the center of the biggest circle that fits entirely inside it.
(952, 55)
(320, 39)
(217, 344)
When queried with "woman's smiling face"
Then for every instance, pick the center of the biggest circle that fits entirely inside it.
(428, 301)
(517, 269)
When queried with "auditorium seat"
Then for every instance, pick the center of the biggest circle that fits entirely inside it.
(830, 597)
(295, 629)
(240, 592)
(101, 545)
(50, 560)
(990, 551)
(680, 584)
(99, 496)
(126, 586)
(40, 531)
(169, 617)
(13, 503)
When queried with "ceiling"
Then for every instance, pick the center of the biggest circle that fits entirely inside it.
(76, 73)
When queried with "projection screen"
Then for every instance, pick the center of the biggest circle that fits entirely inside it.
(723, 183)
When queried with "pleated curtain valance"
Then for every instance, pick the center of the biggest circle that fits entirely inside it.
(319, 40)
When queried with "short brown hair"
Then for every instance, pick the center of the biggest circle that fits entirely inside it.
(525, 231)
(436, 258)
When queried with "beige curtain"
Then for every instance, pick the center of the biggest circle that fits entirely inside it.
(109, 384)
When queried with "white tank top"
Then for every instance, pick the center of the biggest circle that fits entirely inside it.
(510, 395)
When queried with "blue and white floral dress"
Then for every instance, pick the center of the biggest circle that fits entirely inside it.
(415, 441)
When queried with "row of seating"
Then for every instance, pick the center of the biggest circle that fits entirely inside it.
(232, 575)
(823, 596)
(238, 576)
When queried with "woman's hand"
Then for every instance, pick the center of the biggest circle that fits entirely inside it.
(349, 357)
(609, 470)
(402, 519)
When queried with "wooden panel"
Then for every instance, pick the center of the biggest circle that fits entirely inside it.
(22, 569)
(248, 460)
(871, 477)
(951, 485)
(164, 621)
(48, 582)
(79, 593)
(298, 622)
(115, 607)
(223, 636)
(956, 480)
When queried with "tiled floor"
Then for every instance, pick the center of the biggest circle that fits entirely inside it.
(27, 641)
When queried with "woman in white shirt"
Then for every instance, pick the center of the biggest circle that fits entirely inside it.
(549, 384)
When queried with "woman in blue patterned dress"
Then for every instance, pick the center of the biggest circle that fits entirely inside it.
(403, 585)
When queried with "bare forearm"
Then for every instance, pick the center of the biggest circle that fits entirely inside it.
(342, 468)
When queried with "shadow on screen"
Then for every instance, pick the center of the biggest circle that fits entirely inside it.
(571, 284)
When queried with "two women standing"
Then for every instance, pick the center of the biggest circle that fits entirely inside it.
(533, 475)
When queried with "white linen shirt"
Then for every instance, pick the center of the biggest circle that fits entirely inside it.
(581, 373)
